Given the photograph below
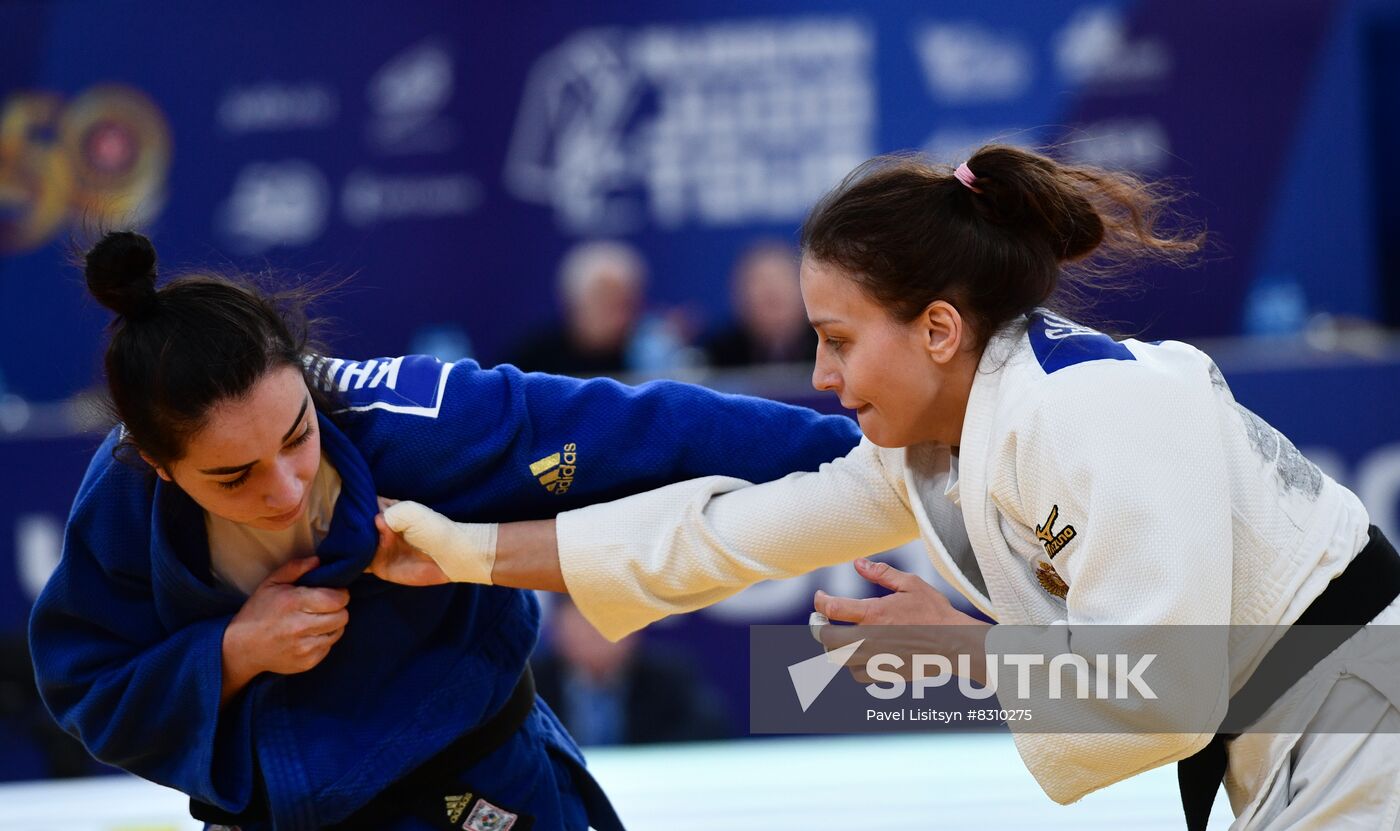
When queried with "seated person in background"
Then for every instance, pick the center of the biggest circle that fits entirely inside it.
(770, 323)
(601, 286)
(624, 692)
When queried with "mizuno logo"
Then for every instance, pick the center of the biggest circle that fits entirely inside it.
(556, 471)
(1054, 543)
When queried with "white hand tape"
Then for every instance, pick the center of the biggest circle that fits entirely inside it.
(465, 551)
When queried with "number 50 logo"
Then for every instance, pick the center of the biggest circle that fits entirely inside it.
(101, 158)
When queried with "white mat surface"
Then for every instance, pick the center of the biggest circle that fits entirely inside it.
(894, 783)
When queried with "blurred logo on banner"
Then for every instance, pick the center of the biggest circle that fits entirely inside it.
(38, 545)
(966, 63)
(273, 204)
(369, 198)
(717, 124)
(1094, 47)
(277, 106)
(408, 95)
(100, 159)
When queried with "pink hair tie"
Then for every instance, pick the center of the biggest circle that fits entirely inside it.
(964, 175)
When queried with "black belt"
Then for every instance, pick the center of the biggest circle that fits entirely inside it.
(1353, 599)
(431, 779)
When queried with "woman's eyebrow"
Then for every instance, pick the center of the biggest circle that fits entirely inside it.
(300, 413)
(229, 469)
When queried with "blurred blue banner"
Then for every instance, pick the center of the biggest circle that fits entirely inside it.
(447, 154)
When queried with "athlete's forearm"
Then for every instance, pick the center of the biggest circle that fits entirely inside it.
(521, 555)
(527, 556)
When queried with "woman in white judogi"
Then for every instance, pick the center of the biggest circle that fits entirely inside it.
(1057, 476)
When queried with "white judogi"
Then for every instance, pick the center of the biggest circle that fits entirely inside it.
(1186, 508)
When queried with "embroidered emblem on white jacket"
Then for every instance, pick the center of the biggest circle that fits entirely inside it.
(1054, 543)
(1050, 579)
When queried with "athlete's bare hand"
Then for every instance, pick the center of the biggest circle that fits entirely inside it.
(912, 601)
(282, 627)
(914, 619)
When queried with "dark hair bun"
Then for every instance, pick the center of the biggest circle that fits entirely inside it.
(1076, 234)
(1034, 195)
(121, 273)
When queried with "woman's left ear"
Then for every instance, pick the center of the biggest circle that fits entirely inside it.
(943, 331)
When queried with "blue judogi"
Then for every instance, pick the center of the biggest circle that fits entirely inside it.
(126, 636)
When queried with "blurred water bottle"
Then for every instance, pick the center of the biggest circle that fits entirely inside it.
(1275, 305)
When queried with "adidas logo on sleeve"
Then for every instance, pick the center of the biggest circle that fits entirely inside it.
(556, 471)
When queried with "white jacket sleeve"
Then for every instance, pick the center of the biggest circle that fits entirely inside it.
(686, 546)
(1132, 460)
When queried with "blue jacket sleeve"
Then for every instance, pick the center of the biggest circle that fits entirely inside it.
(136, 694)
(501, 444)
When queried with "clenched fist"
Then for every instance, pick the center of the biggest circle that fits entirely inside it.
(282, 627)
(420, 547)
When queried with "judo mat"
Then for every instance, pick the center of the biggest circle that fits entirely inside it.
(919, 783)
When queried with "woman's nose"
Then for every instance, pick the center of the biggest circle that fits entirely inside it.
(286, 492)
(823, 378)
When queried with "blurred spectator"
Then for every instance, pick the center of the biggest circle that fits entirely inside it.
(602, 287)
(771, 323)
(621, 693)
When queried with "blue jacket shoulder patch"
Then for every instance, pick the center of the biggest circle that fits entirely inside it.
(1059, 343)
(412, 384)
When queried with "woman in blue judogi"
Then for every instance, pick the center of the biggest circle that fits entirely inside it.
(209, 627)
